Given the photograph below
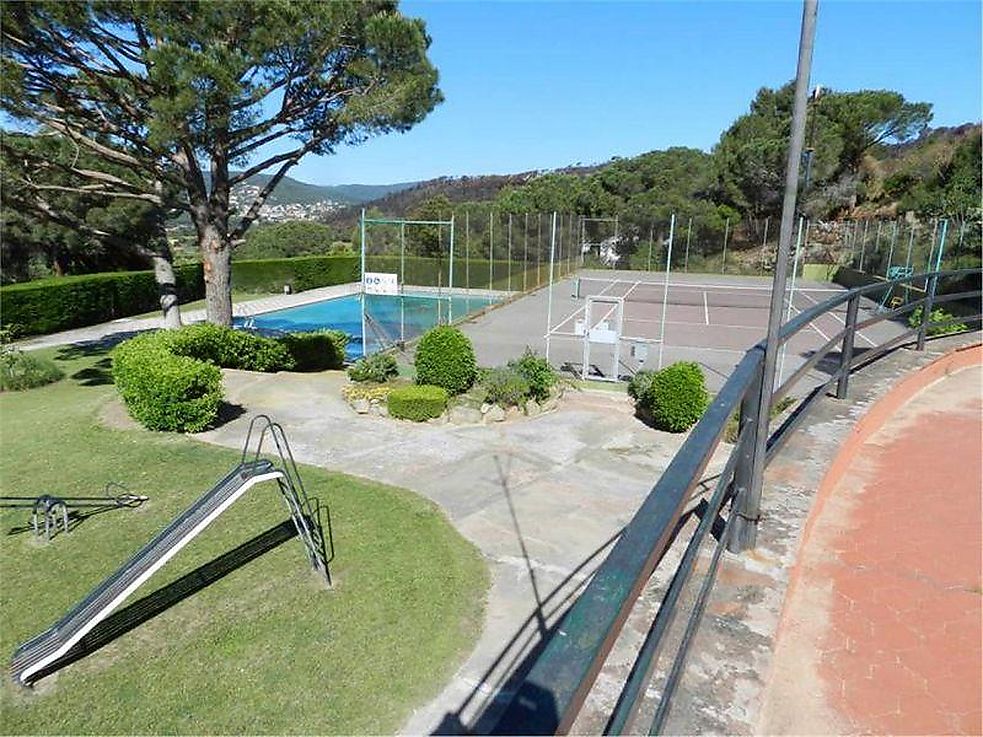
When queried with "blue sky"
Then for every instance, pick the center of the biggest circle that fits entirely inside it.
(545, 84)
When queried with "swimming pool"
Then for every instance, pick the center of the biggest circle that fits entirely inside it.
(389, 318)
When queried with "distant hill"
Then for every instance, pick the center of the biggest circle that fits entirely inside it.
(292, 191)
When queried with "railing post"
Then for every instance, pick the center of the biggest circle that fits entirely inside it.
(745, 505)
(846, 352)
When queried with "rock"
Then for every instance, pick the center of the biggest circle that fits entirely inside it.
(550, 404)
(485, 407)
(463, 415)
(512, 412)
(375, 409)
(532, 408)
(442, 420)
(361, 406)
(495, 414)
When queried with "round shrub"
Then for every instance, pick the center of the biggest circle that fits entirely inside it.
(164, 391)
(378, 368)
(445, 358)
(418, 403)
(676, 398)
(228, 348)
(20, 370)
(505, 387)
(537, 373)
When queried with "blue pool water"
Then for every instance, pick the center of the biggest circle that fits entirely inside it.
(389, 318)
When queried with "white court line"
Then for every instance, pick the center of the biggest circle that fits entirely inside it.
(871, 343)
(706, 308)
(812, 324)
(689, 285)
(655, 341)
(760, 329)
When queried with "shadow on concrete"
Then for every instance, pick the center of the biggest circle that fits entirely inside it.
(142, 610)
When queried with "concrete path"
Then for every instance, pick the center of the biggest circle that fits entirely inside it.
(542, 498)
(885, 605)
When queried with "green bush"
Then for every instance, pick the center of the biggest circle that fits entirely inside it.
(20, 370)
(418, 403)
(66, 302)
(505, 387)
(164, 391)
(640, 382)
(537, 373)
(377, 368)
(937, 315)
(319, 350)
(445, 358)
(676, 398)
(228, 348)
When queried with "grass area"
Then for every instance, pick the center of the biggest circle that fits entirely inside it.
(267, 649)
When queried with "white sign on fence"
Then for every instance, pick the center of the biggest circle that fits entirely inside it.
(373, 283)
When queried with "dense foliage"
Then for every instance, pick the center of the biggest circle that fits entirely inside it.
(21, 370)
(290, 239)
(62, 303)
(640, 383)
(676, 397)
(537, 373)
(940, 322)
(305, 272)
(377, 368)
(165, 391)
(417, 402)
(445, 358)
(227, 348)
(504, 386)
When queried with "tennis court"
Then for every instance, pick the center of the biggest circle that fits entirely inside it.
(709, 319)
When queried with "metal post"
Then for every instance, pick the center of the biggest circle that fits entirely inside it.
(450, 269)
(894, 240)
(361, 231)
(549, 295)
(509, 281)
(491, 251)
(764, 243)
(911, 243)
(791, 300)
(863, 244)
(402, 256)
(689, 232)
(651, 229)
(467, 252)
(665, 289)
(930, 288)
(539, 249)
(931, 246)
(723, 265)
(748, 505)
(525, 250)
(745, 463)
(877, 239)
(846, 352)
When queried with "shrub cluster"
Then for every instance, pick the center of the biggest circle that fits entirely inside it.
(937, 315)
(65, 302)
(165, 391)
(377, 368)
(20, 370)
(228, 348)
(537, 373)
(301, 273)
(318, 350)
(445, 358)
(675, 398)
(419, 403)
(640, 383)
(505, 387)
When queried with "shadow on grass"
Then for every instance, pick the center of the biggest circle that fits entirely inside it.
(142, 610)
(99, 374)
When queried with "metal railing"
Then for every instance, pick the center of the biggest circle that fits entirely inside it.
(550, 696)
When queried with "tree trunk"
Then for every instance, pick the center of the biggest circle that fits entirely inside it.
(216, 256)
(167, 286)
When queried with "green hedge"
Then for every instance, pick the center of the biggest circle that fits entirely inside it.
(316, 351)
(164, 391)
(61, 303)
(417, 403)
(227, 348)
(301, 273)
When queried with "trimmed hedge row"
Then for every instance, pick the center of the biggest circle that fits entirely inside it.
(170, 379)
(62, 303)
(417, 403)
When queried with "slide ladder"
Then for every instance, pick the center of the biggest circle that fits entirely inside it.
(40, 655)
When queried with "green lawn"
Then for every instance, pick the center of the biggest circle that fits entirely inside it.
(267, 649)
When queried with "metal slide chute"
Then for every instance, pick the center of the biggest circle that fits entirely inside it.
(37, 656)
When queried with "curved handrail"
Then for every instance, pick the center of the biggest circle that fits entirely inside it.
(553, 690)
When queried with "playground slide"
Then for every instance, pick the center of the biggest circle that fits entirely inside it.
(34, 658)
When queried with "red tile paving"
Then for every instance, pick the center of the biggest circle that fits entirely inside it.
(895, 551)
